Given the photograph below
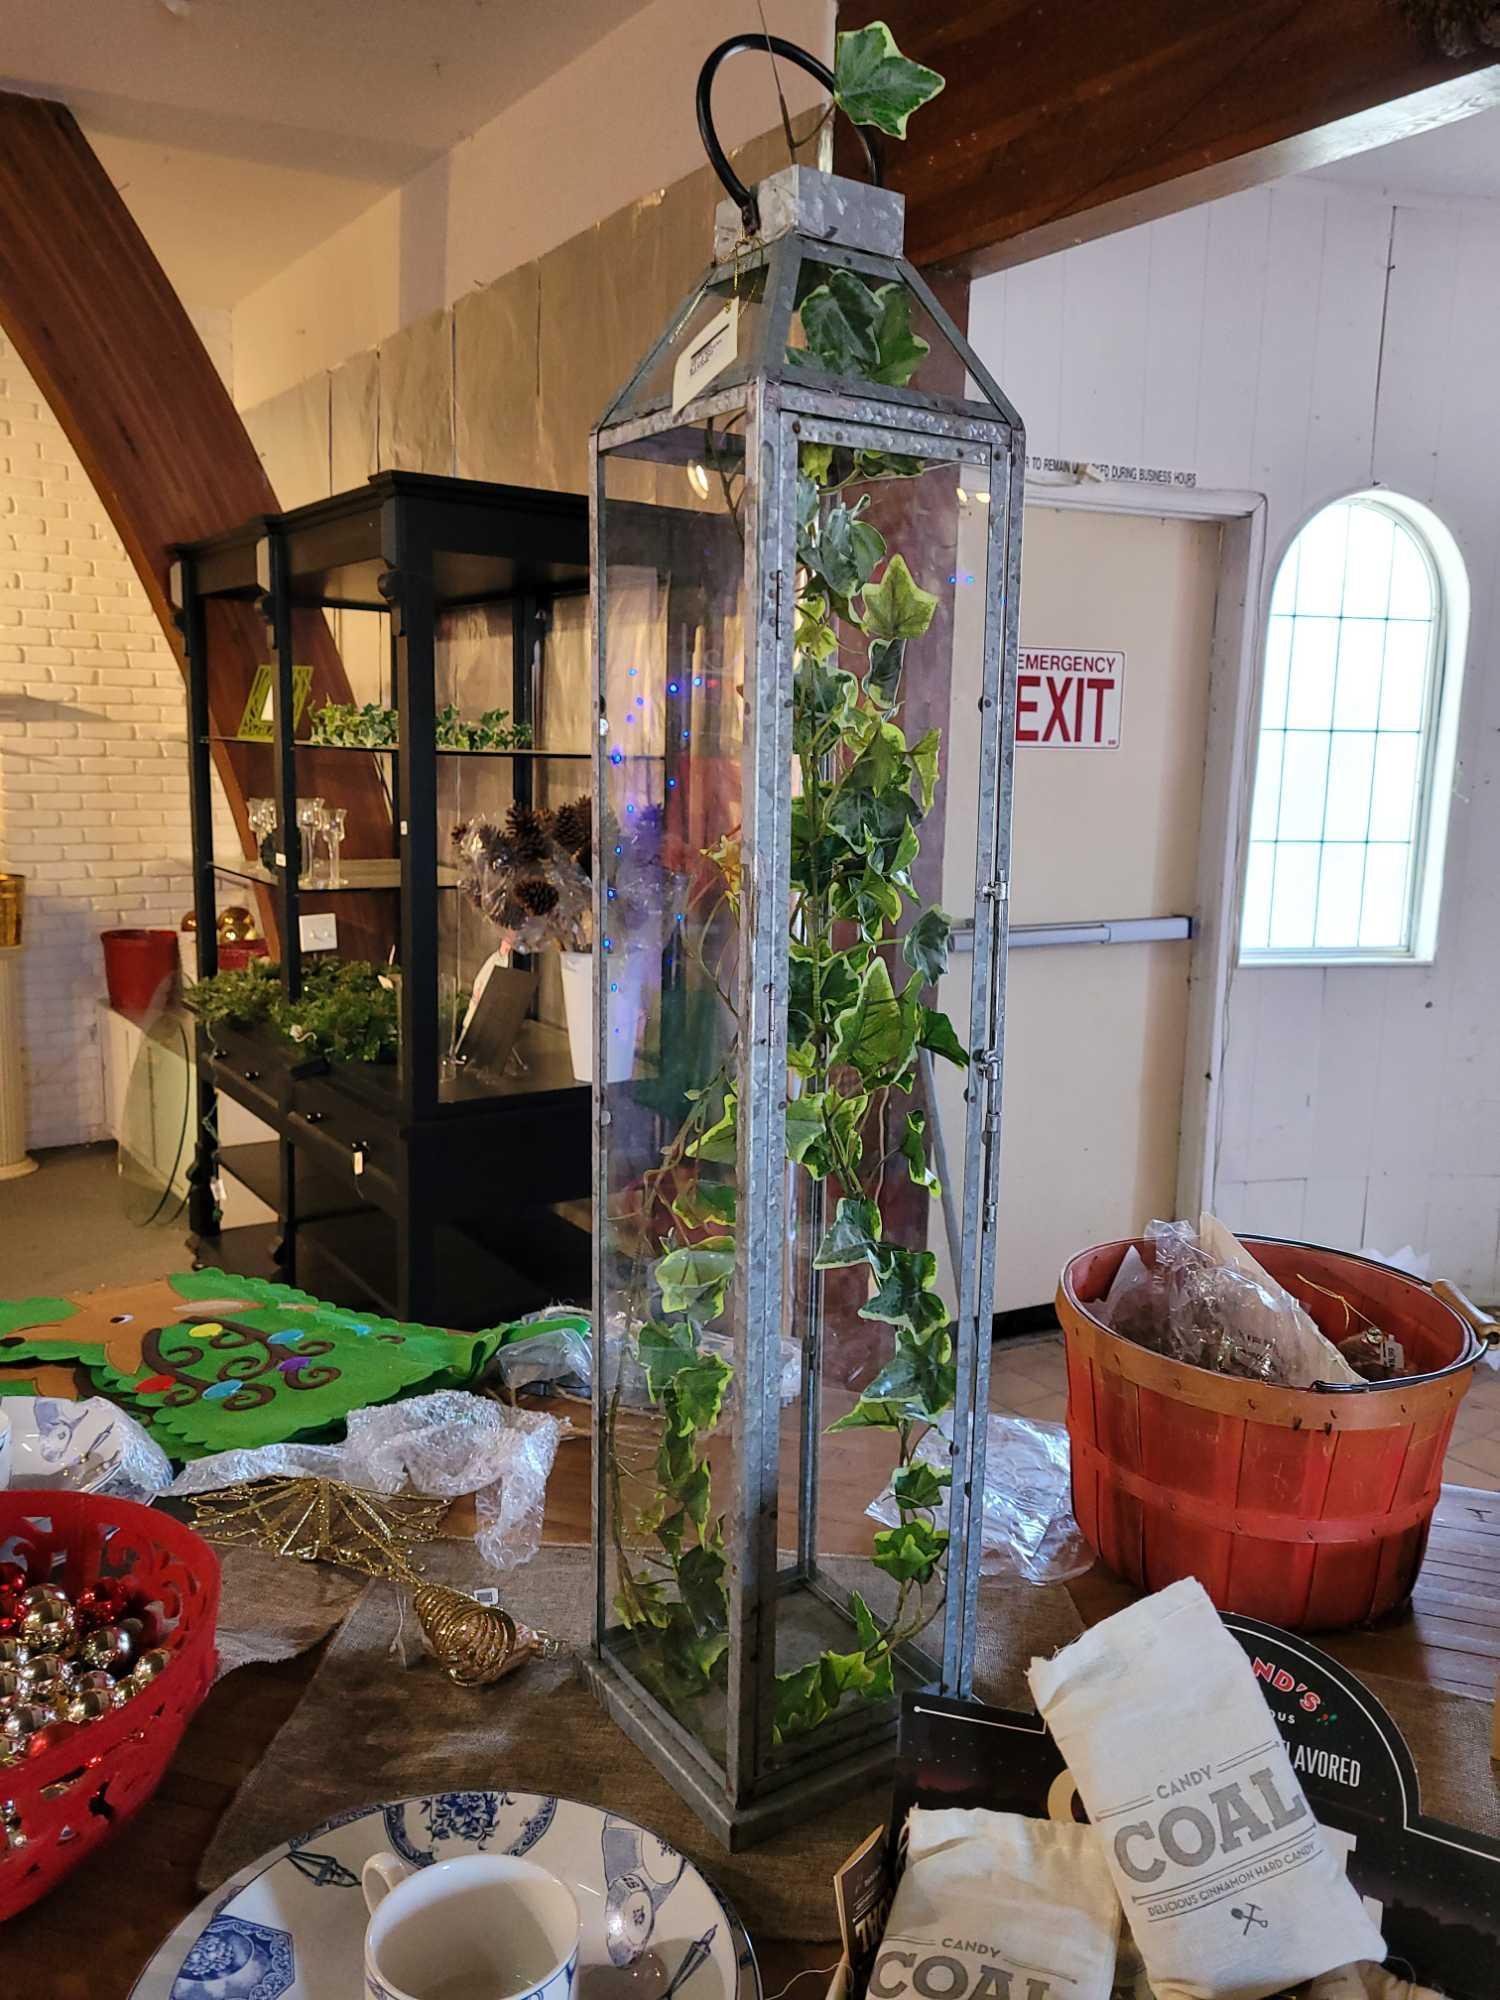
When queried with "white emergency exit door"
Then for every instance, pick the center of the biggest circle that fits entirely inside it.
(1103, 831)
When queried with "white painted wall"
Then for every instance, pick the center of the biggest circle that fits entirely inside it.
(1303, 341)
(93, 749)
(606, 130)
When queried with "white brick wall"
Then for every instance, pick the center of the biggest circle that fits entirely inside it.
(93, 756)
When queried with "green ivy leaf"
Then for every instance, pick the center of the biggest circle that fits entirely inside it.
(716, 1144)
(852, 1238)
(696, 1397)
(914, 1152)
(874, 84)
(870, 900)
(812, 635)
(921, 1484)
(671, 1531)
(815, 461)
(847, 550)
(700, 1584)
(870, 1413)
(905, 1296)
(695, 1490)
(918, 1381)
(640, 1602)
(842, 1121)
(875, 824)
(695, 1278)
(935, 1032)
(839, 321)
(883, 675)
(800, 1702)
(819, 986)
(897, 607)
(886, 465)
(697, 1206)
(875, 1034)
(664, 1348)
(823, 699)
(924, 757)
(925, 946)
(900, 350)
(911, 1552)
(804, 1125)
(807, 500)
(850, 1673)
(864, 1621)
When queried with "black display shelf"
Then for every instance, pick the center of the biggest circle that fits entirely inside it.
(408, 1186)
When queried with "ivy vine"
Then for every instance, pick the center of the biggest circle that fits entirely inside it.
(858, 1020)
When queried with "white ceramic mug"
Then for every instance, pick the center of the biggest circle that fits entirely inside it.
(480, 1927)
(4, 1450)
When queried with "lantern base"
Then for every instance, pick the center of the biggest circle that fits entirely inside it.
(737, 1826)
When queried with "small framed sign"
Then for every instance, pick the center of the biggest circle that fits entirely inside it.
(257, 722)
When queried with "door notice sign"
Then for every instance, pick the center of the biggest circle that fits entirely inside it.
(1069, 698)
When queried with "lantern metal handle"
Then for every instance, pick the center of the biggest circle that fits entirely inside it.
(742, 196)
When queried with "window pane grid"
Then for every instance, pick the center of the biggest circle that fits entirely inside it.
(1346, 713)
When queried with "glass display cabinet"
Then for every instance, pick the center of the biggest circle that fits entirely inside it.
(806, 517)
(398, 679)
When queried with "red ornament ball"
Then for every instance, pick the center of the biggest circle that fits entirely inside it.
(99, 1604)
(12, 1577)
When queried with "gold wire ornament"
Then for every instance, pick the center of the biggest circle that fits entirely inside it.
(323, 1520)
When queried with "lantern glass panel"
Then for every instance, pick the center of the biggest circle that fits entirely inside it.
(913, 1158)
(673, 663)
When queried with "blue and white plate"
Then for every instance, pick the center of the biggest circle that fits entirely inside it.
(291, 1926)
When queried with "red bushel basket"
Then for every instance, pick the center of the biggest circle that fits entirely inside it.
(1308, 1508)
(63, 1801)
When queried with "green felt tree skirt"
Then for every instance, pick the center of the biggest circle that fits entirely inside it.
(275, 1365)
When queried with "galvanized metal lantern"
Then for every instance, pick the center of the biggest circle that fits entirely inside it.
(806, 519)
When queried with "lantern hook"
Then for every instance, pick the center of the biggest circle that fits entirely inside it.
(742, 196)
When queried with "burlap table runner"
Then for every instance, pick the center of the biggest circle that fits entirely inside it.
(272, 1609)
(368, 1729)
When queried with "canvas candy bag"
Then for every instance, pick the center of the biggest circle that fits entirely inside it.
(1228, 1885)
(995, 1906)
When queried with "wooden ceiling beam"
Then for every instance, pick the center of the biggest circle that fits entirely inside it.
(1063, 122)
(109, 345)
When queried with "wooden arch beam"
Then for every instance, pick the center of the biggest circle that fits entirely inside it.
(108, 343)
(1061, 123)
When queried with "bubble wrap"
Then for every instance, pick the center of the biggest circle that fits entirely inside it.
(443, 1445)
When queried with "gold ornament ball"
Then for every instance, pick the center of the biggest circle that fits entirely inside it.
(46, 1616)
(44, 1667)
(13, 1652)
(108, 1646)
(14, 1681)
(88, 1704)
(236, 925)
(149, 1665)
(25, 1719)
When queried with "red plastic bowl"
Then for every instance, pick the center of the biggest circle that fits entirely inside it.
(71, 1796)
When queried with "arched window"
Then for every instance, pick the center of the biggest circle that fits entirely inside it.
(1358, 719)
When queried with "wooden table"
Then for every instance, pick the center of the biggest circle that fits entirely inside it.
(90, 1938)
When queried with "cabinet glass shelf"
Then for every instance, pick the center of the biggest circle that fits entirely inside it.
(354, 876)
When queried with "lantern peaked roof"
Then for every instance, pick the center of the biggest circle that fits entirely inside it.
(742, 322)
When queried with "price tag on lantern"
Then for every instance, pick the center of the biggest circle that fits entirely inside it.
(706, 356)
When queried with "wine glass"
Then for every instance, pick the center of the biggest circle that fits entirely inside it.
(311, 815)
(335, 820)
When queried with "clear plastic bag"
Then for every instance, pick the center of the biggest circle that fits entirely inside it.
(1029, 1530)
(443, 1445)
(1204, 1300)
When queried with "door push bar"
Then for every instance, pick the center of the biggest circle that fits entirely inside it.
(1113, 930)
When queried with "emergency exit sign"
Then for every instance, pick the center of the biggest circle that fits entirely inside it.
(1069, 698)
